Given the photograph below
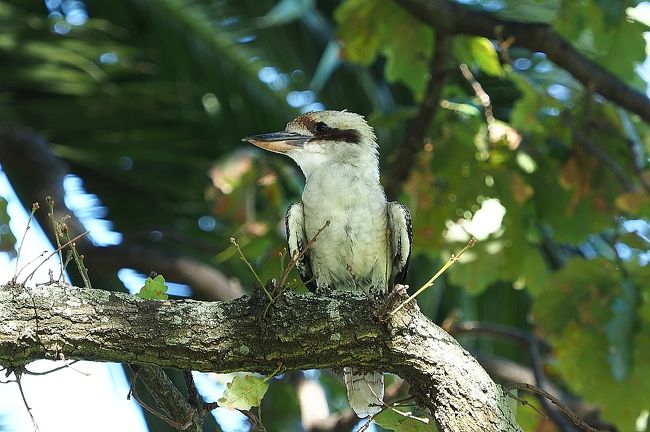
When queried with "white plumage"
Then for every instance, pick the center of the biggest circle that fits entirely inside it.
(367, 244)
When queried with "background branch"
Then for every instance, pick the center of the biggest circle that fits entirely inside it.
(417, 130)
(453, 18)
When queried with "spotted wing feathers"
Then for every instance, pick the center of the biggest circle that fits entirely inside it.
(401, 233)
(296, 241)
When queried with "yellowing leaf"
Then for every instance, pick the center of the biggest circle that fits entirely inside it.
(632, 202)
(245, 392)
(521, 191)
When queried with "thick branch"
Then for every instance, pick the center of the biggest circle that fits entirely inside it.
(450, 17)
(299, 332)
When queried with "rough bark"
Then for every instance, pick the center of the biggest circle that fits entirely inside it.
(298, 332)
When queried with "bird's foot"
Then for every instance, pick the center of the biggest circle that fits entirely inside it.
(399, 292)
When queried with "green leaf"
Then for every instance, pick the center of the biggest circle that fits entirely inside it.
(245, 392)
(620, 330)
(602, 34)
(582, 363)
(400, 421)
(154, 289)
(370, 27)
(359, 23)
(478, 51)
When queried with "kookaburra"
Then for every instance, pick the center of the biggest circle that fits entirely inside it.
(367, 244)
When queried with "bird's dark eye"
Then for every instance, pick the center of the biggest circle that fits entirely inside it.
(321, 127)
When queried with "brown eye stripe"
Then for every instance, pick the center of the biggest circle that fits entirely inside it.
(333, 134)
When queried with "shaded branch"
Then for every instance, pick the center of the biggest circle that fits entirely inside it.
(418, 128)
(299, 332)
(447, 16)
(177, 411)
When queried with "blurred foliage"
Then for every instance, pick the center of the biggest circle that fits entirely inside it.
(147, 100)
(7, 238)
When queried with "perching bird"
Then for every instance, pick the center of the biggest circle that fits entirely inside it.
(367, 244)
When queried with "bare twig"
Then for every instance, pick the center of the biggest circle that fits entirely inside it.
(58, 249)
(250, 267)
(577, 421)
(35, 206)
(453, 259)
(255, 420)
(482, 95)
(56, 369)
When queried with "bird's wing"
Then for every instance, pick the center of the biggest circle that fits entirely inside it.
(401, 237)
(296, 241)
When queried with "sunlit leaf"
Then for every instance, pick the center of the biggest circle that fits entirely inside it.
(154, 289)
(401, 421)
(245, 392)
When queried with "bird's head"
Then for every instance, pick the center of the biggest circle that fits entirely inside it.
(322, 138)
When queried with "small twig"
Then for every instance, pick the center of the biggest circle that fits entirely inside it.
(55, 224)
(35, 206)
(482, 95)
(282, 254)
(78, 259)
(577, 421)
(452, 260)
(58, 249)
(18, 374)
(39, 256)
(154, 412)
(56, 369)
(243, 258)
(636, 148)
(524, 402)
(367, 424)
(256, 423)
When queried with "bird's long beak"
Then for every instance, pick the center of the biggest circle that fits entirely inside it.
(278, 142)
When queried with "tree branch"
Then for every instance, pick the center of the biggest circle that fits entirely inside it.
(453, 18)
(299, 332)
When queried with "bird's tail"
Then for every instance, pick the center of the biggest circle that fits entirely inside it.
(365, 390)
